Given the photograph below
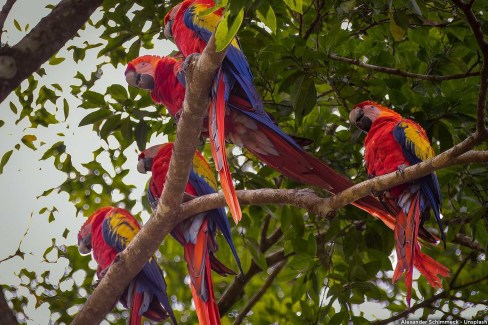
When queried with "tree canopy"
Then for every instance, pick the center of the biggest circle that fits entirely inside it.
(312, 60)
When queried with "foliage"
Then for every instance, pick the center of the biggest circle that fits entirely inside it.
(293, 46)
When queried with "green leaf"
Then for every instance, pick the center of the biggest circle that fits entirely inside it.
(118, 92)
(65, 109)
(141, 135)
(396, 31)
(295, 5)
(227, 29)
(28, 140)
(267, 15)
(13, 108)
(256, 254)
(55, 61)
(303, 96)
(2, 123)
(338, 318)
(94, 97)
(17, 25)
(95, 117)
(65, 233)
(109, 125)
(5, 159)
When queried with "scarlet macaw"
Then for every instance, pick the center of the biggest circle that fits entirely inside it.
(393, 143)
(196, 234)
(107, 232)
(246, 127)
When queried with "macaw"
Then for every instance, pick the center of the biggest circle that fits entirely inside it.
(248, 128)
(196, 234)
(106, 233)
(393, 143)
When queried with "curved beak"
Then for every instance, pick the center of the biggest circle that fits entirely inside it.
(167, 29)
(139, 80)
(84, 245)
(361, 121)
(144, 165)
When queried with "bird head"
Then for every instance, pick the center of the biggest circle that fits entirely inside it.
(168, 21)
(85, 233)
(147, 156)
(365, 113)
(140, 72)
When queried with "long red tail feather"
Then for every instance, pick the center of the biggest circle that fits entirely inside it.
(305, 168)
(198, 260)
(409, 253)
(135, 306)
(217, 141)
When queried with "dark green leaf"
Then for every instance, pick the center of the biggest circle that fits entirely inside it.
(95, 117)
(4, 160)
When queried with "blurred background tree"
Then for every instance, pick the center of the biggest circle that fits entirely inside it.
(312, 61)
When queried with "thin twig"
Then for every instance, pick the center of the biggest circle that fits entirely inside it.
(316, 20)
(477, 30)
(402, 73)
(469, 242)
(277, 269)
(4, 14)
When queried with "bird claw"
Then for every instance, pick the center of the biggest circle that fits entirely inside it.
(401, 169)
(189, 60)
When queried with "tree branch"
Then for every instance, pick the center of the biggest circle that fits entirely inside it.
(308, 200)
(316, 20)
(44, 40)
(469, 242)
(4, 14)
(200, 75)
(7, 317)
(402, 73)
(277, 269)
(477, 30)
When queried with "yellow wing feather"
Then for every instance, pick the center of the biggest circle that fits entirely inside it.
(203, 170)
(123, 227)
(417, 138)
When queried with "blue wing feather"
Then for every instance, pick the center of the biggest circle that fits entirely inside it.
(202, 187)
(235, 63)
(429, 184)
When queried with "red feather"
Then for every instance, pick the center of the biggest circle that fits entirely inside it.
(216, 127)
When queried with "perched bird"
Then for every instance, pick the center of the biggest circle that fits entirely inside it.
(106, 233)
(393, 143)
(249, 128)
(196, 234)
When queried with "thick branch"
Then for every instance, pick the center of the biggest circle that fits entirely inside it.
(402, 73)
(308, 200)
(448, 158)
(277, 269)
(7, 316)
(4, 14)
(199, 80)
(302, 198)
(44, 40)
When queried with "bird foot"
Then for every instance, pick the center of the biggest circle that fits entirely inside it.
(189, 60)
(401, 169)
